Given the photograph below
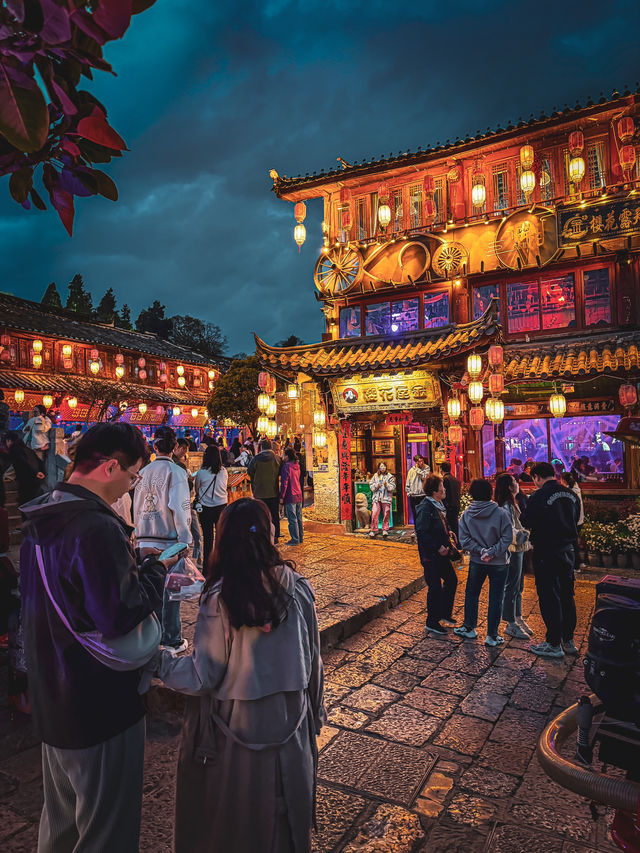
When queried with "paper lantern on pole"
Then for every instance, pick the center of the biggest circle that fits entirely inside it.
(142, 375)
(194, 413)
(496, 355)
(476, 417)
(263, 402)
(455, 434)
(474, 365)
(557, 405)
(454, 408)
(272, 429)
(626, 129)
(119, 358)
(19, 396)
(37, 360)
(628, 395)
(526, 157)
(475, 391)
(119, 371)
(494, 408)
(496, 383)
(182, 381)
(576, 142)
(37, 346)
(319, 418)
(94, 367)
(627, 157)
(175, 411)
(272, 408)
(576, 170)
(72, 402)
(142, 408)
(263, 423)
(47, 401)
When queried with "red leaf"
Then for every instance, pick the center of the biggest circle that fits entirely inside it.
(95, 129)
(68, 107)
(63, 203)
(113, 16)
(24, 117)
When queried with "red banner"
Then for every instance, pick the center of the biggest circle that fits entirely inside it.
(344, 471)
(395, 418)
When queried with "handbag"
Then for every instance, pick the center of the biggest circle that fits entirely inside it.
(197, 505)
(131, 651)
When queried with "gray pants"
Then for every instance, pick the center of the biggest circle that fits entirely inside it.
(93, 796)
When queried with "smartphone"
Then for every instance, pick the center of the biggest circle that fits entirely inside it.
(172, 550)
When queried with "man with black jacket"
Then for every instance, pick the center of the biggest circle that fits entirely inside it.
(452, 490)
(551, 515)
(90, 717)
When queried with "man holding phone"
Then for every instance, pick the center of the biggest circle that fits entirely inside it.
(89, 716)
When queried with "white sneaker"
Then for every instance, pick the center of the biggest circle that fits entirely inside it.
(522, 624)
(467, 633)
(372, 535)
(546, 650)
(494, 641)
(514, 630)
(182, 646)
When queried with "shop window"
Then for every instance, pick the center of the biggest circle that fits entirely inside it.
(523, 307)
(378, 318)
(438, 197)
(488, 451)
(582, 442)
(350, 322)
(436, 310)
(526, 439)
(404, 315)
(557, 297)
(597, 298)
(397, 211)
(595, 165)
(361, 219)
(415, 206)
(482, 296)
(500, 176)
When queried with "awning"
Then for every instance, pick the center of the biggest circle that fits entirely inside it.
(584, 356)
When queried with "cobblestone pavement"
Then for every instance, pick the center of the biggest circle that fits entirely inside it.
(429, 747)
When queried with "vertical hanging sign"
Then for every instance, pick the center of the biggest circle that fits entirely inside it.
(344, 471)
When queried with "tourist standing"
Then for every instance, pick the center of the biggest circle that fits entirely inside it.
(162, 515)
(506, 495)
(416, 475)
(302, 462)
(211, 496)
(571, 482)
(36, 431)
(435, 543)
(452, 490)
(28, 467)
(254, 685)
(552, 515)
(181, 458)
(291, 495)
(486, 533)
(382, 485)
(264, 471)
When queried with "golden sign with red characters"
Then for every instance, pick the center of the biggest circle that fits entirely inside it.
(416, 389)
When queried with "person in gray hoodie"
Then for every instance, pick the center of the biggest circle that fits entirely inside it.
(486, 533)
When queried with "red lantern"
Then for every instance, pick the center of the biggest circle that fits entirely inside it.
(67, 363)
(576, 142)
(627, 157)
(429, 185)
(263, 380)
(5, 355)
(626, 129)
(162, 367)
(628, 396)
(429, 211)
(5, 340)
(95, 355)
(476, 417)
(159, 411)
(455, 434)
(300, 211)
(142, 375)
(496, 383)
(163, 378)
(142, 362)
(119, 358)
(496, 355)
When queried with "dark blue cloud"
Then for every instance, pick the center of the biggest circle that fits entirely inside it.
(210, 96)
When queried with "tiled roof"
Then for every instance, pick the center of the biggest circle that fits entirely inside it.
(283, 185)
(597, 354)
(339, 358)
(52, 383)
(27, 316)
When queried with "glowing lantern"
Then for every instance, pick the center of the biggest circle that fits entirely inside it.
(474, 365)
(496, 383)
(319, 438)
(142, 362)
(319, 418)
(37, 360)
(210, 385)
(626, 129)
(72, 402)
(478, 190)
(475, 391)
(142, 375)
(263, 423)
(67, 363)
(94, 354)
(94, 367)
(293, 392)
(576, 170)
(119, 358)
(176, 411)
(557, 405)
(495, 410)
(496, 355)
(384, 214)
(527, 183)
(299, 234)
(194, 413)
(627, 157)
(180, 370)
(211, 374)
(119, 371)
(300, 211)
(576, 142)
(67, 351)
(628, 395)
(272, 408)
(526, 157)
(5, 340)
(272, 429)
(263, 402)
(19, 396)
(37, 346)
(453, 408)
(182, 381)
(164, 378)
(142, 408)
(159, 411)
(476, 417)
(47, 401)
(455, 434)
(263, 379)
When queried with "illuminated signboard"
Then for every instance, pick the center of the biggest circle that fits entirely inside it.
(416, 389)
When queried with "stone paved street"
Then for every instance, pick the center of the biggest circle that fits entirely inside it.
(430, 743)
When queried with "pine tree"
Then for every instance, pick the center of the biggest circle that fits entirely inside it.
(79, 300)
(106, 310)
(51, 298)
(152, 319)
(123, 321)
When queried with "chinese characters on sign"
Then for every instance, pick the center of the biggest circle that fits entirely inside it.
(599, 221)
(344, 470)
(416, 390)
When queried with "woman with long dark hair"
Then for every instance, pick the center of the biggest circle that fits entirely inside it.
(248, 757)
(210, 486)
(506, 492)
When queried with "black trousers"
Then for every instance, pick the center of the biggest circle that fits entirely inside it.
(414, 500)
(442, 583)
(274, 509)
(208, 520)
(452, 520)
(553, 572)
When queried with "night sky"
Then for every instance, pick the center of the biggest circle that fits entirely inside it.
(209, 96)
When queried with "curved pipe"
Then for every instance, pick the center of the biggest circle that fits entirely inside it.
(618, 793)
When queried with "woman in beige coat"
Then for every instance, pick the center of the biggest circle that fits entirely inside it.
(248, 758)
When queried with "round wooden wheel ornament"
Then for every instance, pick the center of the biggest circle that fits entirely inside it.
(448, 259)
(338, 270)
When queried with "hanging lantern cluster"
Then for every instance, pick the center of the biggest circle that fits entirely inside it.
(429, 202)
(300, 232)
(576, 163)
(384, 208)
(627, 152)
(494, 407)
(628, 396)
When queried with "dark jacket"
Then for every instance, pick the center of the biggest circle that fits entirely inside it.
(431, 532)
(452, 496)
(27, 465)
(290, 490)
(551, 515)
(93, 574)
(264, 470)
(5, 414)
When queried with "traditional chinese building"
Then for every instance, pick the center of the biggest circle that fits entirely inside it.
(526, 235)
(86, 371)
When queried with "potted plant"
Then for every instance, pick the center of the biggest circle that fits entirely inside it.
(607, 544)
(590, 536)
(623, 548)
(633, 541)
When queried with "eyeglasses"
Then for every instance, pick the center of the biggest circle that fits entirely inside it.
(135, 477)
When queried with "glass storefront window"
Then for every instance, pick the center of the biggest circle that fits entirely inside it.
(378, 319)
(597, 298)
(488, 451)
(523, 306)
(350, 325)
(404, 315)
(436, 310)
(582, 442)
(526, 439)
(558, 299)
(482, 296)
